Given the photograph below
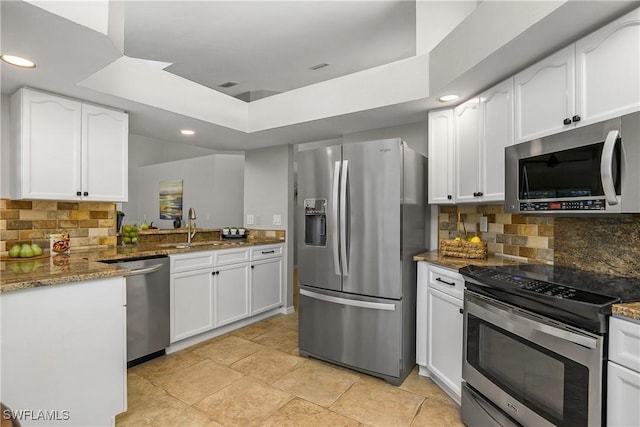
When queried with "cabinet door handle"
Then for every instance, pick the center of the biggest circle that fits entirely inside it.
(449, 196)
(576, 118)
(268, 252)
(480, 194)
(86, 193)
(253, 266)
(461, 311)
(78, 193)
(445, 282)
(475, 194)
(567, 121)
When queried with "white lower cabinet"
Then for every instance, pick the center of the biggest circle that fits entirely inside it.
(192, 303)
(439, 326)
(63, 353)
(210, 289)
(623, 373)
(266, 280)
(231, 297)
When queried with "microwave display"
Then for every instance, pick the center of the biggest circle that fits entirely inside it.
(566, 174)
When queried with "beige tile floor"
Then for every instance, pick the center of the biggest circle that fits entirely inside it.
(255, 377)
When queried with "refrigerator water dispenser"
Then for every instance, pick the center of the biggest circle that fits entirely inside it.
(315, 222)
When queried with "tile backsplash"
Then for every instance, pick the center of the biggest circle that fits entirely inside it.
(601, 244)
(26, 221)
(526, 236)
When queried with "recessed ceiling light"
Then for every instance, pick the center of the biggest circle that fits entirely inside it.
(17, 61)
(448, 98)
(187, 132)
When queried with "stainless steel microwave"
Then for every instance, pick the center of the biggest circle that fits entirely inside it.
(593, 169)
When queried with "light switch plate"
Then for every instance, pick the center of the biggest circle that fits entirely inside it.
(250, 220)
(484, 226)
(277, 220)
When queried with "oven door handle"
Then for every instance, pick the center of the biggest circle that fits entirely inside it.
(567, 336)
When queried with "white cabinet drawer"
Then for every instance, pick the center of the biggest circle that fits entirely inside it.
(448, 281)
(231, 256)
(266, 251)
(191, 261)
(624, 343)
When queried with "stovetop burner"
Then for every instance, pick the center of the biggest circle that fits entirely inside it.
(577, 297)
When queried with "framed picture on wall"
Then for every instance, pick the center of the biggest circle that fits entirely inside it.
(171, 199)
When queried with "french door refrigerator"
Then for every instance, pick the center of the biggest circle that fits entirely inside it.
(361, 219)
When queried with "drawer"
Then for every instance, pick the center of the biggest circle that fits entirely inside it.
(191, 261)
(231, 256)
(624, 343)
(448, 281)
(266, 251)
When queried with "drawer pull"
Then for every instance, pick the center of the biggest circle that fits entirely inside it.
(268, 252)
(445, 282)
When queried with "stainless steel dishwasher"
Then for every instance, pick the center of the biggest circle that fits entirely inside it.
(147, 307)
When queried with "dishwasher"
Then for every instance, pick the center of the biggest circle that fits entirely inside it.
(147, 307)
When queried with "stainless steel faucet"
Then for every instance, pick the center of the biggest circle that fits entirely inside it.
(191, 224)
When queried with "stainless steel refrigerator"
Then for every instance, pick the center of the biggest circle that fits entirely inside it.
(360, 220)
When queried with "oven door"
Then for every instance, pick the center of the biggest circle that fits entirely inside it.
(538, 371)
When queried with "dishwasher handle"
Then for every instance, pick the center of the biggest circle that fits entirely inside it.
(146, 270)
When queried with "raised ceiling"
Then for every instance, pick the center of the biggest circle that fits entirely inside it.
(269, 47)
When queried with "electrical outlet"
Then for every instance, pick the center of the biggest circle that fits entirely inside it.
(250, 220)
(484, 226)
(277, 220)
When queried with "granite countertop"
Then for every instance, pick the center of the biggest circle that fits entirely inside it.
(434, 257)
(83, 265)
(629, 310)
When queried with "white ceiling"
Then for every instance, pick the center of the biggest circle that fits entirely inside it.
(269, 45)
(263, 45)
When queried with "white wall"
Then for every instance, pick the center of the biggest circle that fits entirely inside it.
(145, 151)
(268, 191)
(213, 185)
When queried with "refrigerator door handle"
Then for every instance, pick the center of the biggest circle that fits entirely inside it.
(343, 217)
(349, 302)
(333, 220)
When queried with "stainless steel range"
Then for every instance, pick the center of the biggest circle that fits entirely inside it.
(535, 344)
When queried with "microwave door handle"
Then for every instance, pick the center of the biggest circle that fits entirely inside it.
(334, 218)
(606, 167)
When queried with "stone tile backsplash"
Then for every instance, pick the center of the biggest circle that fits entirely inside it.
(27, 221)
(609, 245)
(527, 236)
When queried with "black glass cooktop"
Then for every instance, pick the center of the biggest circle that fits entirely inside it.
(575, 296)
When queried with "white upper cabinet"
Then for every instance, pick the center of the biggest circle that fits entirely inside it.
(67, 150)
(608, 70)
(594, 79)
(466, 118)
(440, 179)
(496, 133)
(46, 144)
(544, 96)
(105, 154)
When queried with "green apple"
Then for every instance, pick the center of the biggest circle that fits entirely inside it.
(144, 226)
(126, 239)
(37, 250)
(127, 228)
(14, 252)
(26, 251)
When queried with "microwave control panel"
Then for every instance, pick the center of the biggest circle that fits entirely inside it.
(564, 205)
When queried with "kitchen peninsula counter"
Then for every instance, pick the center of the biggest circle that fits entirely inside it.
(630, 310)
(81, 265)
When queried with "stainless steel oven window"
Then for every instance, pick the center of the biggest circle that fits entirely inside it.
(552, 385)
